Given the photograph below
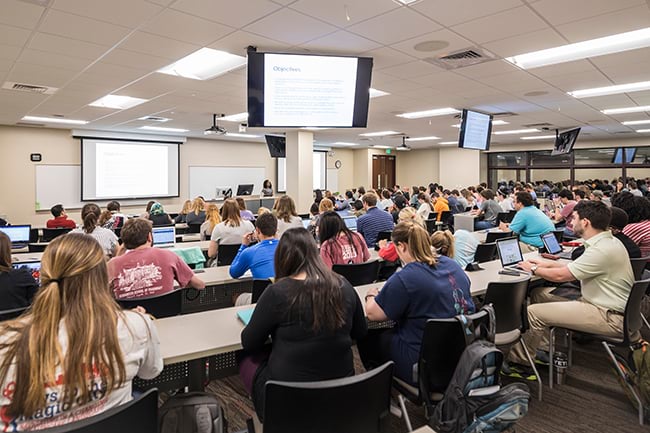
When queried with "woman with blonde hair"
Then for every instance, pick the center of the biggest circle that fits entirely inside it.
(325, 205)
(196, 215)
(75, 352)
(212, 218)
(231, 230)
(181, 218)
(90, 214)
(427, 287)
(460, 246)
(387, 250)
(285, 211)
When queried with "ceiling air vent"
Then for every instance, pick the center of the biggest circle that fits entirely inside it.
(29, 88)
(539, 125)
(494, 115)
(154, 119)
(461, 59)
(39, 125)
(620, 132)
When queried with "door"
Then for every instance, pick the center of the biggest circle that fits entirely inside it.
(383, 171)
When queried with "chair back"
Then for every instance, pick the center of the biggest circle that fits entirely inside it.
(638, 266)
(140, 415)
(34, 235)
(446, 217)
(485, 252)
(193, 228)
(226, 254)
(258, 288)
(431, 224)
(359, 274)
(356, 404)
(11, 314)
(160, 306)
(36, 248)
(559, 235)
(386, 234)
(493, 236)
(50, 234)
(633, 321)
(508, 298)
(504, 217)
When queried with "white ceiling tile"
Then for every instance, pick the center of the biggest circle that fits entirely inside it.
(562, 69)
(622, 74)
(487, 69)
(153, 85)
(14, 36)
(235, 14)
(517, 21)
(46, 58)
(20, 14)
(385, 28)
(40, 75)
(622, 21)
(127, 13)
(533, 41)
(609, 101)
(579, 80)
(85, 29)
(337, 12)
(147, 43)
(66, 46)
(518, 81)
(135, 60)
(187, 28)
(462, 10)
(565, 12)
(623, 60)
(237, 43)
(413, 69)
(386, 57)
(455, 42)
(341, 42)
(290, 27)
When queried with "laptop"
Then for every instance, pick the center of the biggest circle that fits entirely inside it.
(351, 223)
(33, 267)
(510, 253)
(306, 222)
(553, 246)
(18, 235)
(164, 237)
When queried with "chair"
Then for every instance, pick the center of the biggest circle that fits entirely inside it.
(559, 235)
(36, 247)
(11, 314)
(431, 224)
(443, 342)
(632, 323)
(226, 254)
(511, 312)
(193, 228)
(638, 266)
(33, 235)
(485, 252)
(445, 220)
(493, 236)
(504, 217)
(384, 235)
(258, 288)
(49, 234)
(160, 306)
(140, 415)
(359, 274)
(356, 404)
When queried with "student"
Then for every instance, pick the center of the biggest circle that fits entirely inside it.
(386, 203)
(325, 205)
(60, 220)
(638, 212)
(245, 214)
(424, 209)
(489, 211)
(440, 204)
(231, 230)
(285, 211)
(460, 246)
(143, 271)
(196, 215)
(529, 223)
(565, 212)
(427, 287)
(212, 218)
(387, 249)
(374, 221)
(312, 315)
(338, 244)
(81, 336)
(158, 216)
(182, 215)
(267, 188)
(148, 209)
(17, 286)
(112, 219)
(107, 239)
(257, 258)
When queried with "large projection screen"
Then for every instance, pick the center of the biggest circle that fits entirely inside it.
(128, 169)
(319, 172)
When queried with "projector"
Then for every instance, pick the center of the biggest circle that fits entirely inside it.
(215, 130)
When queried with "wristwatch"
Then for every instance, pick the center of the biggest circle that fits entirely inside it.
(533, 269)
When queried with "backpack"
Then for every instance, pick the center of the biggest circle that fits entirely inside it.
(636, 371)
(194, 412)
(474, 400)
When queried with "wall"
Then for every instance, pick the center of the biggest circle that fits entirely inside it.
(418, 167)
(459, 167)
(346, 172)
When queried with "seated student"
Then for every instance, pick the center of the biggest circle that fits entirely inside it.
(145, 215)
(17, 286)
(158, 216)
(231, 230)
(338, 244)
(460, 246)
(529, 223)
(112, 219)
(565, 212)
(424, 208)
(285, 211)
(312, 315)
(427, 287)
(325, 205)
(212, 218)
(399, 202)
(387, 249)
(85, 341)
(386, 203)
(143, 271)
(638, 212)
(196, 215)
(258, 257)
(107, 239)
(374, 221)
(489, 211)
(245, 214)
(440, 204)
(505, 201)
(60, 220)
(182, 215)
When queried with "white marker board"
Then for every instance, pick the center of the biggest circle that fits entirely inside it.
(205, 180)
(58, 184)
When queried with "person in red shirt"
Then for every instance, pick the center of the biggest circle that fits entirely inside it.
(339, 245)
(60, 220)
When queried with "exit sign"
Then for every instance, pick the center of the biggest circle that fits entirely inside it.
(388, 151)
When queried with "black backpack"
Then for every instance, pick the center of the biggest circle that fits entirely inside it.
(194, 412)
(474, 400)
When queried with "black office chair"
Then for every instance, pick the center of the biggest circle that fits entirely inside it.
(226, 254)
(160, 306)
(193, 228)
(11, 314)
(504, 217)
(258, 288)
(431, 224)
(50, 234)
(493, 236)
(508, 298)
(140, 415)
(386, 234)
(559, 235)
(356, 404)
(36, 248)
(632, 324)
(638, 266)
(360, 273)
(443, 342)
(33, 235)
(485, 252)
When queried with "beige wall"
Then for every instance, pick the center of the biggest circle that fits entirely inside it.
(346, 172)
(459, 167)
(418, 167)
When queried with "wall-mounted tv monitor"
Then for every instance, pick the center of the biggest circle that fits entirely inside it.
(475, 130)
(565, 141)
(277, 146)
(630, 153)
(299, 90)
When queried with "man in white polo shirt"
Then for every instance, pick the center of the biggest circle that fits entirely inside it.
(606, 278)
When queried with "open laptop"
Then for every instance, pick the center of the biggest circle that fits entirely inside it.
(18, 235)
(553, 246)
(306, 222)
(510, 253)
(33, 267)
(351, 222)
(164, 237)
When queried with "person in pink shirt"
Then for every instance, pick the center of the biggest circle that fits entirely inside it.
(339, 245)
(565, 213)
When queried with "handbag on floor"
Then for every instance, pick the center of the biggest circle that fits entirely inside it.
(193, 412)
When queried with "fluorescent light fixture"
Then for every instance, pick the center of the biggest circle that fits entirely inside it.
(117, 102)
(313, 128)
(611, 90)
(239, 117)
(378, 146)
(237, 135)
(375, 93)
(403, 148)
(406, 2)
(431, 137)
(494, 122)
(582, 50)
(54, 120)
(636, 122)
(163, 129)
(429, 113)
(538, 137)
(345, 143)
(204, 64)
(448, 142)
(379, 133)
(515, 131)
(642, 131)
(626, 110)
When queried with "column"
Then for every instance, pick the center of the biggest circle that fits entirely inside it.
(300, 168)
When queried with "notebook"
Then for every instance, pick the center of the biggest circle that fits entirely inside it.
(164, 237)
(553, 246)
(245, 315)
(510, 253)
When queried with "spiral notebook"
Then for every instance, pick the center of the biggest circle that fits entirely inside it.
(245, 315)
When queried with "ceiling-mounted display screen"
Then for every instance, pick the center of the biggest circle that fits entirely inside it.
(475, 130)
(297, 90)
(564, 142)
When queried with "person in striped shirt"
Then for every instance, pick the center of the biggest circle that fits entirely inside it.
(638, 212)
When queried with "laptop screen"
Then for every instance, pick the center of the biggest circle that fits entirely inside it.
(17, 234)
(351, 223)
(551, 244)
(305, 223)
(164, 236)
(509, 251)
(33, 267)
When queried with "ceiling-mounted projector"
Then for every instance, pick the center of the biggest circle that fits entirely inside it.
(215, 129)
(404, 146)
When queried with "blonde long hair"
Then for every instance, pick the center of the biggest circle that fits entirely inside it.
(410, 214)
(443, 241)
(75, 289)
(285, 208)
(197, 206)
(417, 240)
(212, 216)
(187, 207)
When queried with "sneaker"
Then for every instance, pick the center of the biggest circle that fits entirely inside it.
(542, 357)
(518, 371)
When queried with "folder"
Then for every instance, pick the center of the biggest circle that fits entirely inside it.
(245, 315)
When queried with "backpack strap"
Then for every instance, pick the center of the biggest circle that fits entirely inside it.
(468, 328)
(489, 331)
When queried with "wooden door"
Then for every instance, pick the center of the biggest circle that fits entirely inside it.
(383, 171)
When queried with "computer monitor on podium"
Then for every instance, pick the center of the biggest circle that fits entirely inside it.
(246, 189)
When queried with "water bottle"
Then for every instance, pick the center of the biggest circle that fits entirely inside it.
(560, 364)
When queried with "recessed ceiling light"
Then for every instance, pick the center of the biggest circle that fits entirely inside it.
(379, 133)
(536, 93)
(428, 46)
(582, 50)
(625, 110)
(378, 146)
(238, 135)
(163, 129)
(204, 64)
(239, 117)
(611, 90)
(376, 93)
(637, 122)
(448, 142)
(117, 102)
(643, 130)
(406, 2)
(515, 131)
(345, 143)
(494, 122)
(54, 120)
(431, 137)
(429, 113)
(538, 137)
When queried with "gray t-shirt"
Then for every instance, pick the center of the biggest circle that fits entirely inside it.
(491, 210)
(228, 235)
